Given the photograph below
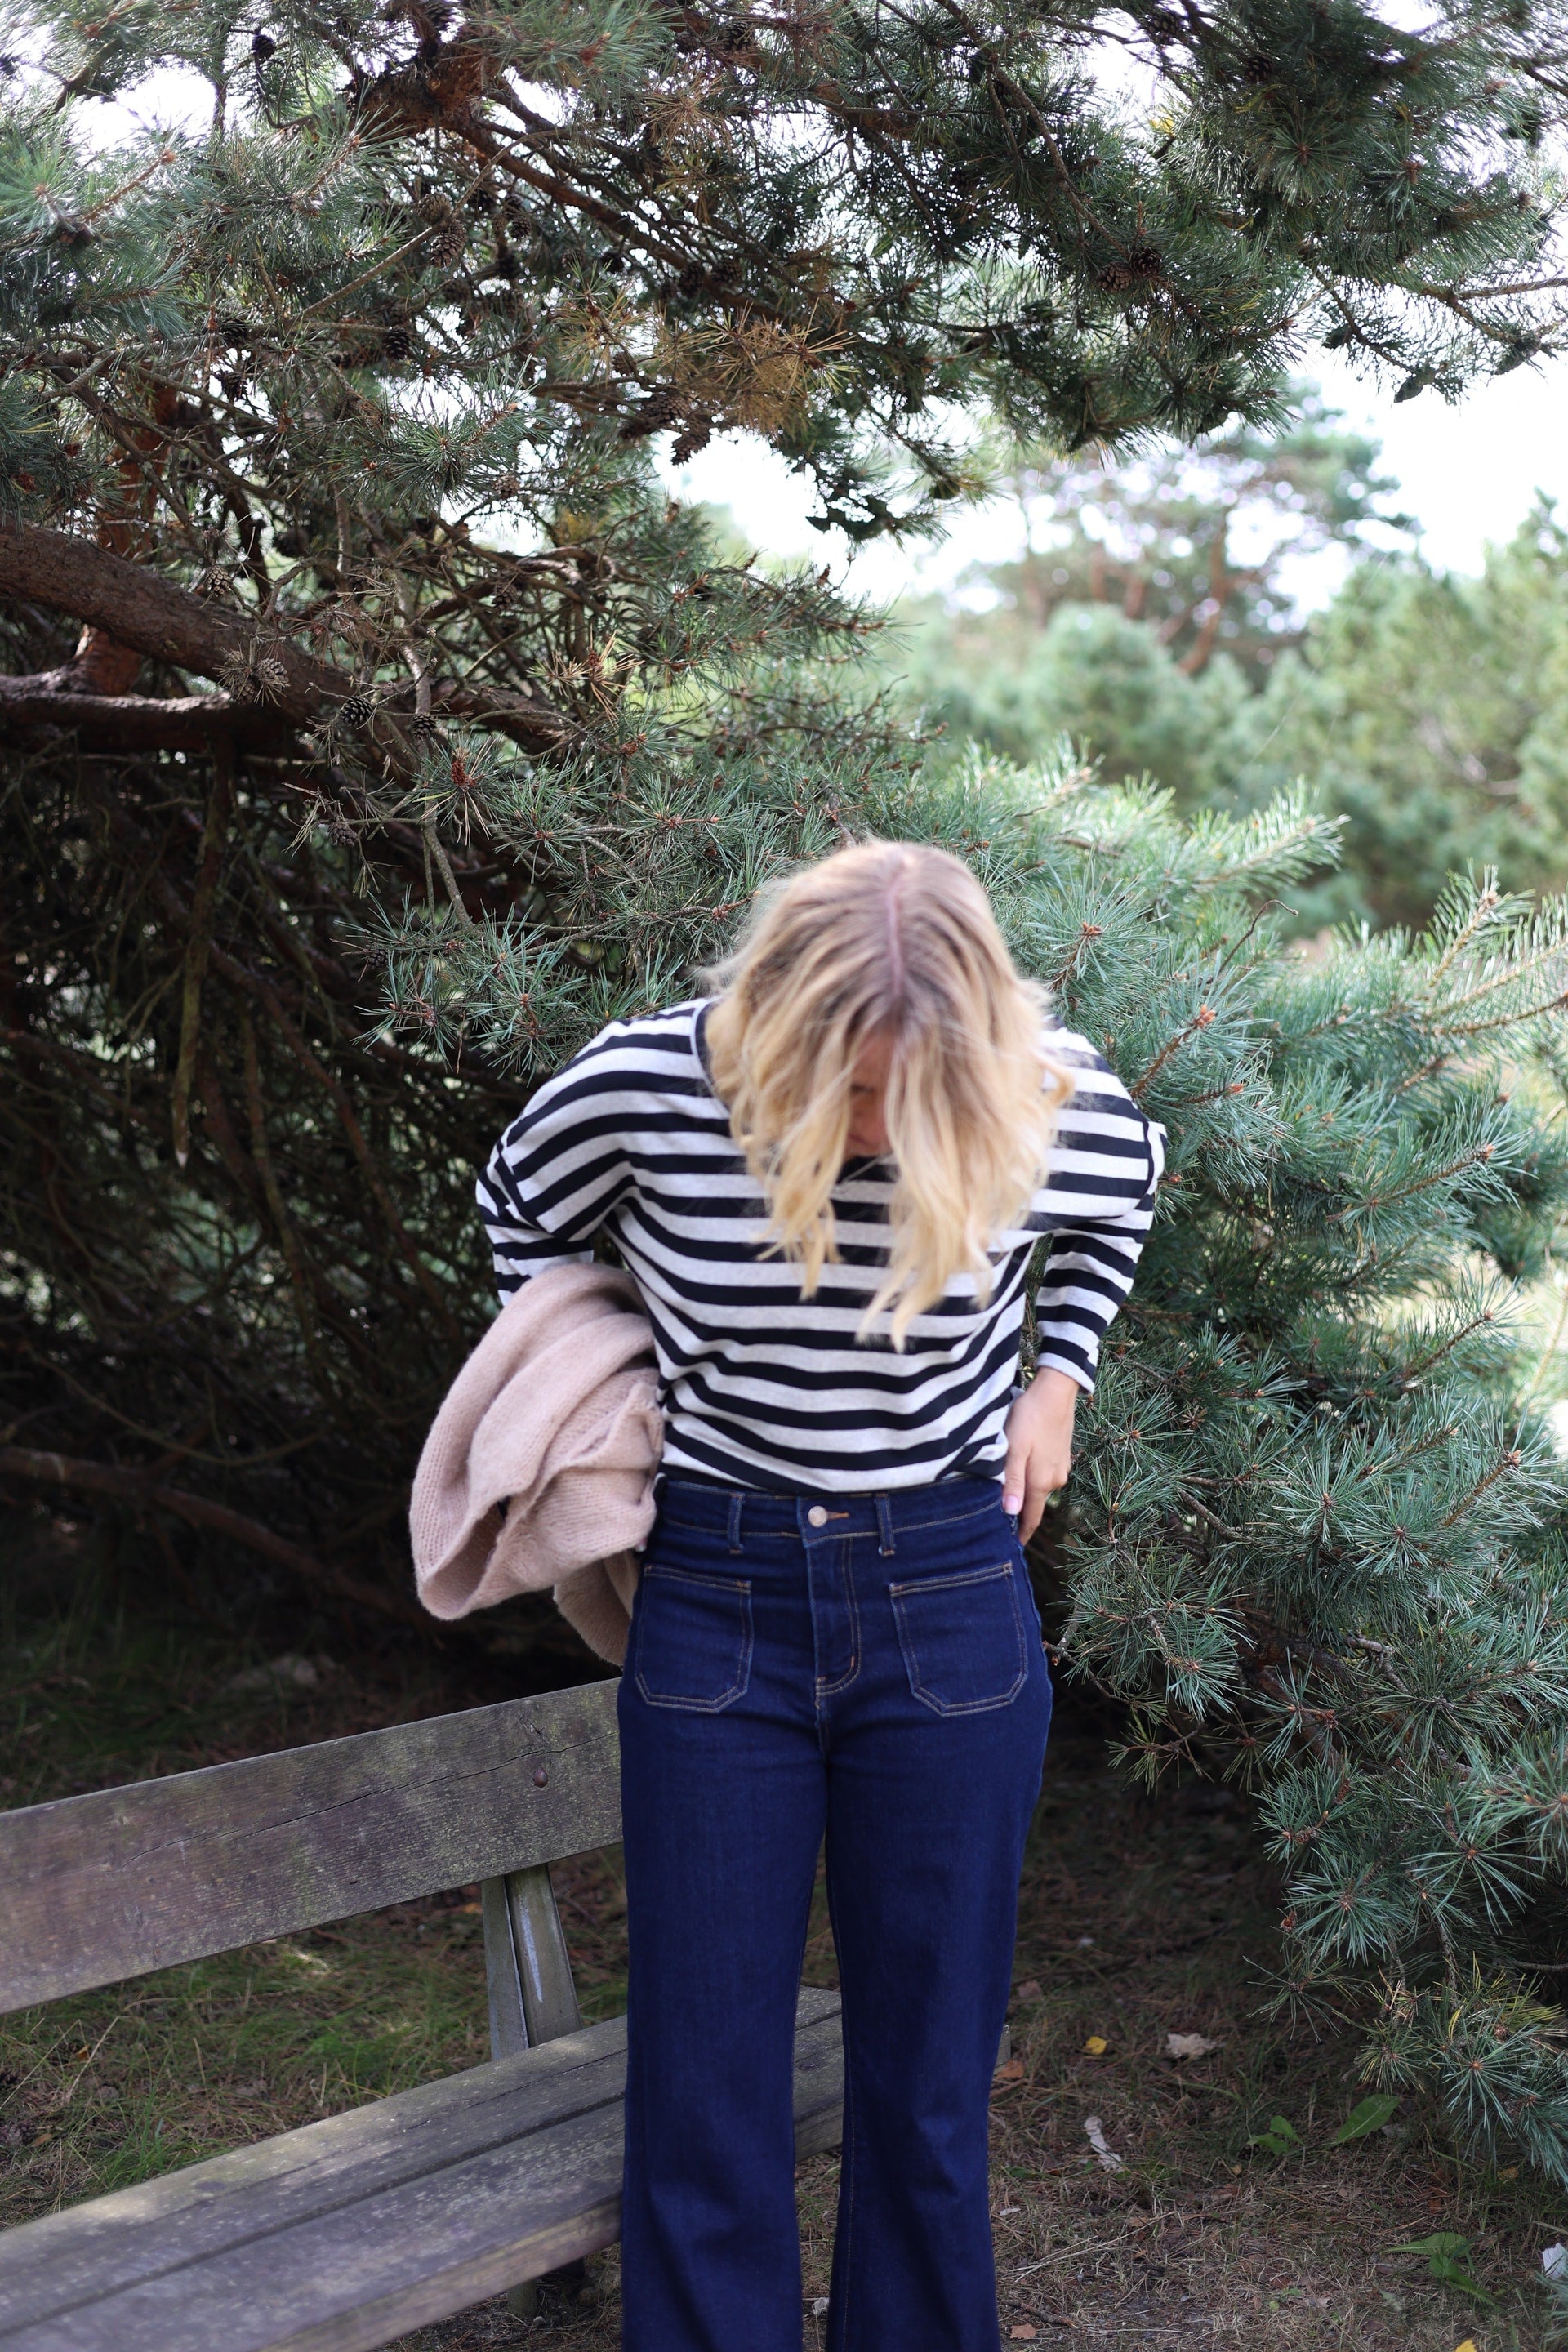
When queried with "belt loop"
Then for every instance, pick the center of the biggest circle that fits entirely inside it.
(735, 1502)
(885, 1525)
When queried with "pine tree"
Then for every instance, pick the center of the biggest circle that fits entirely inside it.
(1156, 537)
(1316, 1538)
(411, 734)
(1431, 710)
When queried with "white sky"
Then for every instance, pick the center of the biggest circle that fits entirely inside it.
(1468, 474)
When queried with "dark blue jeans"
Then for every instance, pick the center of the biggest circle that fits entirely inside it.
(866, 1669)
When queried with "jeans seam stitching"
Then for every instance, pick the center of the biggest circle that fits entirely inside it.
(949, 1584)
(928, 1698)
(742, 1681)
(831, 1690)
(789, 1535)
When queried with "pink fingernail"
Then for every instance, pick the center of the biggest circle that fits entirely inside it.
(1012, 1502)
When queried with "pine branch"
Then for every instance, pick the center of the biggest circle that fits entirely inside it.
(139, 608)
(1510, 1461)
(1204, 1018)
(138, 722)
(1478, 1157)
(134, 1487)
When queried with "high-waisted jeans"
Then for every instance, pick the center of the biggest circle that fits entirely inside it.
(866, 1669)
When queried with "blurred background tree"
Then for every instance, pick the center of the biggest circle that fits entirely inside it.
(1199, 542)
(1427, 709)
(1431, 710)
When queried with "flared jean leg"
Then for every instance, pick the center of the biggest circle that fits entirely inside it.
(722, 1824)
(925, 1843)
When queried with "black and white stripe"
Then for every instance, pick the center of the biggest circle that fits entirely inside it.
(760, 1386)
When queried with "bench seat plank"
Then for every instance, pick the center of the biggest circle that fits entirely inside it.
(340, 2236)
(127, 1880)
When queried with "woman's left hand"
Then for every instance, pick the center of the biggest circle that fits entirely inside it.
(1039, 1447)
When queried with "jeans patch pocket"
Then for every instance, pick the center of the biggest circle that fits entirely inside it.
(962, 1640)
(693, 1639)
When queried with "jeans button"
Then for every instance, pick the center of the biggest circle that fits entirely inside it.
(817, 1516)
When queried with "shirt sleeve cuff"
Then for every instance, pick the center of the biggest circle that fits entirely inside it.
(1077, 1366)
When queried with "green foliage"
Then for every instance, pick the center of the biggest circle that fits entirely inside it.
(1196, 543)
(1448, 2260)
(1103, 681)
(1428, 710)
(1151, 605)
(455, 251)
(1314, 1541)
(1280, 2136)
(1431, 711)
(1368, 2115)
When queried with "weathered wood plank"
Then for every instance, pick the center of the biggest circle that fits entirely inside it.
(528, 1976)
(503, 1979)
(544, 1965)
(187, 2216)
(338, 2237)
(128, 1880)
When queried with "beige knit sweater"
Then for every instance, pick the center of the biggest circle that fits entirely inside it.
(538, 1469)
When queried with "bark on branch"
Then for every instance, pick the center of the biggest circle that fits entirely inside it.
(140, 609)
(131, 1486)
(136, 722)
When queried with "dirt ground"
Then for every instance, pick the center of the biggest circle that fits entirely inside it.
(1142, 1918)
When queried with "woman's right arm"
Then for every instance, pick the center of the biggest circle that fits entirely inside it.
(558, 1170)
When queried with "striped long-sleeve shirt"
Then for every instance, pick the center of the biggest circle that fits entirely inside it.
(759, 1386)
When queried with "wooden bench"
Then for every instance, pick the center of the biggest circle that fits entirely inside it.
(345, 2233)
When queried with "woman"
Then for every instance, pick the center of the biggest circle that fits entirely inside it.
(828, 1181)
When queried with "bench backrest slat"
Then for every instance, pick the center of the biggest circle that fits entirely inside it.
(127, 1880)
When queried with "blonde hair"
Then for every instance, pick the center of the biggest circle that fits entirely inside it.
(887, 940)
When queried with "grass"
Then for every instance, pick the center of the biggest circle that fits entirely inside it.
(104, 2090)
(1140, 1919)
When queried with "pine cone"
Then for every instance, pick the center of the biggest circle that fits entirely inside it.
(659, 409)
(433, 207)
(422, 724)
(262, 46)
(356, 710)
(1142, 264)
(259, 678)
(396, 343)
(448, 242)
(694, 437)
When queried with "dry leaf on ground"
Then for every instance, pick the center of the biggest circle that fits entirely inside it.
(1188, 2045)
